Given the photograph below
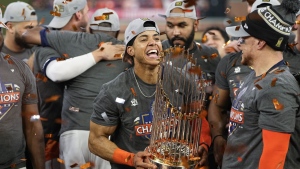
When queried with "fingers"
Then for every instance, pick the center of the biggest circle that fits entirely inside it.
(203, 156)
(141, 160)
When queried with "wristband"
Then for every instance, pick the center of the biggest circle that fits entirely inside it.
(206, 147)
(123, 157)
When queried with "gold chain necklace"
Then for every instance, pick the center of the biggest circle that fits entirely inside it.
(140, 88)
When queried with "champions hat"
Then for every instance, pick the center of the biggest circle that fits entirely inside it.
(189, 12)
(264, 3)
(64, 10)
(136, 27)
(19, 12)
(272, 24)
(105, 15)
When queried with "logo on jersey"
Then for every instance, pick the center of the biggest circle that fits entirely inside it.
(144, 125)
(9, 96)
(236, 120)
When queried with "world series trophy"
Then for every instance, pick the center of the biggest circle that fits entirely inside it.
(177, 111)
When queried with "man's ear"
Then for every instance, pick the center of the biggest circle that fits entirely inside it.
(10, 27)
(130, 50)
(261, 44)
(78, 15)
(196, 25)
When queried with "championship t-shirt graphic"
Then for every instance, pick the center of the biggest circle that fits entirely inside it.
(9, 96)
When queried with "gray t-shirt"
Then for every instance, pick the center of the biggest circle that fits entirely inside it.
(263, 104)
(24, 55)
(120, 103)
(230, 73)
(50, 93)
(17, 87)
(81, 91)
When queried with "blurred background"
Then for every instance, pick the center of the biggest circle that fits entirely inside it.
(213, 10)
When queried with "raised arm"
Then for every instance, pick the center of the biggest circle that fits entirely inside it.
(33, 132)
(32, 36)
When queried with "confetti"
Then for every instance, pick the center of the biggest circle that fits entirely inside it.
(8, 58)
(35, 118)
(214, 55)
(66, 55)
(74, 28)
(100, 44)
(229, 21)
(237, 28)
(86, 165)
(279, 71)
(101, 48)
(162, 33)
(60, 161)
(128, 158)
(223, 74)
(204, 39)
(108, 13)
(60, 59)
(216, 97)
(3, 6)
(204, 57)
(273, 83)
(120, 100)
(133, 91)
(73, 165)
(177, 50)
(277, 105)
(227, 10)
(40, 76)
(9, 88)
(195, 70)
(239, 18)
(187, 10)
(297, 22)
(31, 96)
(48, 136)
(52, 98)
(133, 32)
(291, 45)
(258, 86)
(99, 18)
(54, 13)
(239, 159)
(127, 109)
(58, 121)
(118, 56)
(23, 12)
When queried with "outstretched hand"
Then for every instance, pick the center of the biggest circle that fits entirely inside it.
(107, 51)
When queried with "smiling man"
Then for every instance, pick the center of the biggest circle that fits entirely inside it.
(124, 103)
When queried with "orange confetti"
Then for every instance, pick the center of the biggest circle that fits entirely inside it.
(195, 70)
(48, 135)
(118, 56)
(31, 96)
(52, 98)
(214, 55)
(108, 13)
(43, 119)
(216, 97)
(127, 109)
(99, 18)
(279, 71)
(100, 44)
(204, 39)
(291, 45)
(9, 60)
(297, 22)
(187, 10)
(66, 55)
(23, 12)
(73, 165)
(23, 159)
(258, 86)
(237, 28)
(40, 76)
(54, 13)
(239, 159)
(86, 165)
(273, 83)
(204, 57)
(227, 10)
(229, 21)
(223, 74)
(277, 105)
(60, 161)
(58, 120)
(128, 158)
(239, 18)
(60, 59)
(133, 32)
(102, 48)
(42, 21)
(177, 50)
(74, 28)
(133, 91)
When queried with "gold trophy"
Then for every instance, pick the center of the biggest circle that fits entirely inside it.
(177, 111)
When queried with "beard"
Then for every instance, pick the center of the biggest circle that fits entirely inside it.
(247, 60)
(20, 42)
(187, 42)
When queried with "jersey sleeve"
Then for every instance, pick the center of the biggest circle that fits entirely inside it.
(105, 111)
(43, 56)
(220, 75)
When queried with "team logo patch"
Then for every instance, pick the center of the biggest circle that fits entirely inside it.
(236, 120)
(178, 3)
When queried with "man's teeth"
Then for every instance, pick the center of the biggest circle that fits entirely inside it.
(152, 51)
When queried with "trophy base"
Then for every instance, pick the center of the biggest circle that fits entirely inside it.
(161, 165)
